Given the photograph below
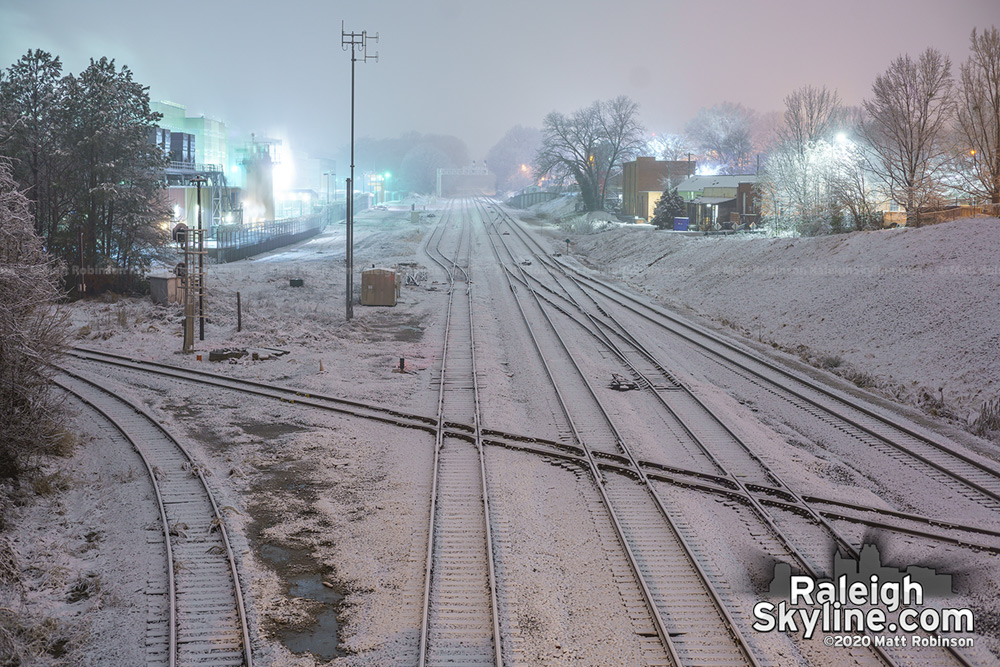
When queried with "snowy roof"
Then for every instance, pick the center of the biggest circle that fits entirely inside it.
(699, 183)
(711, 200)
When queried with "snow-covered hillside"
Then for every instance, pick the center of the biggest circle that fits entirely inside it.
(911, 312)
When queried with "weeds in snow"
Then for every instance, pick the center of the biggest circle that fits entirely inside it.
(46, 485)
(830, 362)
(861, 379)
(988, 419)
(84, 588)
(25, 641)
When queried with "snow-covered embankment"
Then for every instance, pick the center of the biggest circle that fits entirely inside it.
(911, 312)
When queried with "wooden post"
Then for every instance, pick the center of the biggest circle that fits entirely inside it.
(239, 313)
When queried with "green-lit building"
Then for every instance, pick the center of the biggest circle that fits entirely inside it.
(210, 140)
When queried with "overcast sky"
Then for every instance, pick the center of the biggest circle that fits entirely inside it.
(476, 68)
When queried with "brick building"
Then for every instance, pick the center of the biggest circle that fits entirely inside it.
(644, 180)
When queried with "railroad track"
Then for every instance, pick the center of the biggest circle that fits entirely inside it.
(197, 614)
(460, 440)
(460, 622)
(656, 551)
(972, 536)
(737, 456)
(978, 477)
(263, 389)
(807, 535)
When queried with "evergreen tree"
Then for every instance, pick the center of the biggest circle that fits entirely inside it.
(117, 181)
(79, 149)
(669, 206)
(30, 101)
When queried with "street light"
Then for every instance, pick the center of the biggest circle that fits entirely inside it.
(328, 174)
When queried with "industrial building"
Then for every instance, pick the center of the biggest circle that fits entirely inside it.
(197, 147)
(240, 183)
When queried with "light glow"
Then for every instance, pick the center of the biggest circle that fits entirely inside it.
(284, 170)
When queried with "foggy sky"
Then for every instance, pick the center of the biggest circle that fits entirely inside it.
(476, 68)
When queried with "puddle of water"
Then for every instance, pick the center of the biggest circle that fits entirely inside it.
(408, 334)
(270, 430)
(321, 639)
(321, 636)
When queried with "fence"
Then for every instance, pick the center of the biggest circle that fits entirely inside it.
(526, 199)
(955, 213)
(241, 241)
(246, 240)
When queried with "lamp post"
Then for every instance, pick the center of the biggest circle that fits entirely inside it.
(327, 184)
(327, 210)
(355, 42)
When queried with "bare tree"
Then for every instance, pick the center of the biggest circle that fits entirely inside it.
(811, 114)
(797, 182)
(672, 147)
(979, 115)
(623, 133)
(905, 125)
(30, 336)
(512, 159)
(590, 145)
(724, 136)
(852, 187)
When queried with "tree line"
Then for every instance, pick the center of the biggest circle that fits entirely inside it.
(921, 139)
(413, 159)
(78, 147)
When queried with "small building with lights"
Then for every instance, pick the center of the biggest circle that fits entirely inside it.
(720, 202)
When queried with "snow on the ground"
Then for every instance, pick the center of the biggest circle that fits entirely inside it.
(82, 547)
(915, 308)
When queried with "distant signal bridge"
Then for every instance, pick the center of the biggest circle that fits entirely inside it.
(465, 181)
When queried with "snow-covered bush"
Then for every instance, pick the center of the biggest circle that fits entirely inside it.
(31, 336)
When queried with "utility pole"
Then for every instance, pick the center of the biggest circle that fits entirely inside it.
(356, 43)
(200, 277)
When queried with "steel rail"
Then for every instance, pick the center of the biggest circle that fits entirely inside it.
(439, 442)
(218, 519)
(720, 607)
(799, 504)
(719, 485)
(831, 395)
(482, 467)
(281, 393)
